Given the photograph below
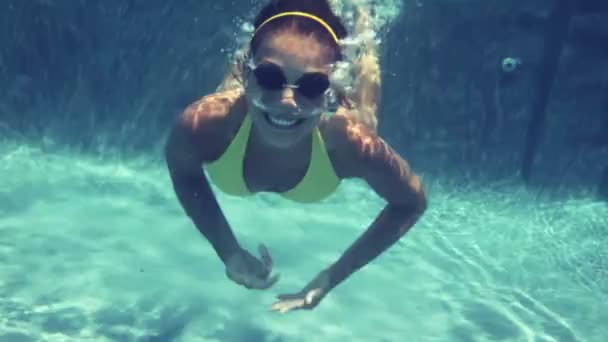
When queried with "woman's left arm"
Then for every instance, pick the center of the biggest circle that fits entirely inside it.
(390, 176)
(364, 155)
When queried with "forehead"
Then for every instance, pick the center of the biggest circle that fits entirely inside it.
(294, 51)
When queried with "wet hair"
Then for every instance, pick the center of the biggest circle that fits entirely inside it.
(305, 26)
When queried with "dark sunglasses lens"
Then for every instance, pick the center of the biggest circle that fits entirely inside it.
(313, 85)
(269, 76)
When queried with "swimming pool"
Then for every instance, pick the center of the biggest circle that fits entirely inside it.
(94, 249)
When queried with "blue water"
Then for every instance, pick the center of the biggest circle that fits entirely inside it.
(98, 249)
(95, 247)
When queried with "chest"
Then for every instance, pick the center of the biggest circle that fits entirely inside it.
(267, 173)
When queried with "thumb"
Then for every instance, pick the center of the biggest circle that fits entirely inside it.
(265, 256)
(312, 295)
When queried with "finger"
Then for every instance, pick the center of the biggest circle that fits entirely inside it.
(312, 295)
(272, 280)
(284, 306)
(264, 284)
(266, 258)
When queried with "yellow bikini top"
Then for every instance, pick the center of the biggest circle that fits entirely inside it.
(319, 181)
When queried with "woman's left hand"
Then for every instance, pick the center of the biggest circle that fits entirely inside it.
(308, 298)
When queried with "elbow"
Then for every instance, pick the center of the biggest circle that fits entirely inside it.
(414, 207)
(172, 145)
(168, 151)
(416, 200)
(410, 207)
(412, 201)
(414, 204)
(421, 202)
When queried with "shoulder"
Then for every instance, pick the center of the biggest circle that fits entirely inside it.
(207, 125)
(349, 143)
(358, 152)
(211, 111)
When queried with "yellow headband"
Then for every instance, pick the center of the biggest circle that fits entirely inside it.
(301, 14)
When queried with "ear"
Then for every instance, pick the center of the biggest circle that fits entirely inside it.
(242, 68)
(343, 100)
(245, 62)
(332, 100)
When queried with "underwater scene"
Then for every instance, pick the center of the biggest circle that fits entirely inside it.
(287, 170)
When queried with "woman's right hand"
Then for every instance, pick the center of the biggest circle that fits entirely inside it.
(245, 269)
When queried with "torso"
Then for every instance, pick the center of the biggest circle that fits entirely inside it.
(278, 171)
(262, 173)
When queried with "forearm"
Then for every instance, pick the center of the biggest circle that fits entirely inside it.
(392, 223)
(200, 204)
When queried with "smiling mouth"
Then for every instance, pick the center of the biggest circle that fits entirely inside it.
(282, 123)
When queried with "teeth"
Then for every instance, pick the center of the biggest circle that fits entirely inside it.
(281, 122)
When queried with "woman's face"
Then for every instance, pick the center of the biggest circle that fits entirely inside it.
(283, 114)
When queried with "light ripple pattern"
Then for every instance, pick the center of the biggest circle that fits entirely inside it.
(99, 250)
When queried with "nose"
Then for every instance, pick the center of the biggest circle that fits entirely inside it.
(288, 99)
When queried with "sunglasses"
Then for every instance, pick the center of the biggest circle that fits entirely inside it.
(270, 76)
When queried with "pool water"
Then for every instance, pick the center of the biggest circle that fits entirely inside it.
(98, 249)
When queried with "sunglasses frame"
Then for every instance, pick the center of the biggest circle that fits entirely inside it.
(250, 67)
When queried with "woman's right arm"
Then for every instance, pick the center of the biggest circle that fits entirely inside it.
(187, 148)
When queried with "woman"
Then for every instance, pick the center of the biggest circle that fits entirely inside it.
(269, 135)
